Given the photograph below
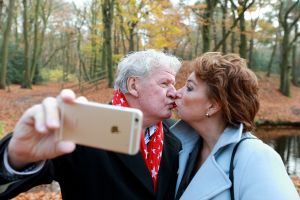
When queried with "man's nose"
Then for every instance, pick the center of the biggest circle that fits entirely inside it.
(171, 92)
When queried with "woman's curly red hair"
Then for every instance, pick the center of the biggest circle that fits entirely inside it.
(231, 84)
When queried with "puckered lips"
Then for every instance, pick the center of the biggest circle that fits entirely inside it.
(174, 105)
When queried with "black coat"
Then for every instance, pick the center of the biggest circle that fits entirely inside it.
(90, 173)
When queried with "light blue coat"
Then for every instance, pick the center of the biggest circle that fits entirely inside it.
(259, 172)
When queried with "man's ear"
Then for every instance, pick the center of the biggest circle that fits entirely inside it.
(131, 86)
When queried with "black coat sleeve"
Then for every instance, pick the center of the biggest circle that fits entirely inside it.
(11, 188)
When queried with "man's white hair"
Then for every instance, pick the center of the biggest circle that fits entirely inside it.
(140, 64)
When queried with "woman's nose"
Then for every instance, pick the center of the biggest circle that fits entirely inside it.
(178, 94)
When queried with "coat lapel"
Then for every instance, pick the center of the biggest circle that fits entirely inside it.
(188, 137)
(210, 180)
(169, 164)
(137, 166)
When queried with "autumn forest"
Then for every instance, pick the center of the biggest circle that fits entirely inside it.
(50, 40)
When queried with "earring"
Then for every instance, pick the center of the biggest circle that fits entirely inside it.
(207, 115)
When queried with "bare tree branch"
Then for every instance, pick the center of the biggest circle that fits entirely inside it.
(294, 22)
(294, 40)
(55, 51)
(233, 26)
(290, 9)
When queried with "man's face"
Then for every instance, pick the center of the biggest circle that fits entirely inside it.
(157, 94)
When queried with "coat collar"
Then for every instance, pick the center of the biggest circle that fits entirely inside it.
(211, 179)
(229, 136)
(185, 133)
(189, 136)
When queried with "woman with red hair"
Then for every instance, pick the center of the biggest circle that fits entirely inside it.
(217, 107)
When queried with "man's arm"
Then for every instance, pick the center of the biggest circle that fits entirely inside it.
(34, 136)
(33, 141)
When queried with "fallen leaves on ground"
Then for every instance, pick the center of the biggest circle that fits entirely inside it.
(296, 181)
(15, 100)
(41, 195)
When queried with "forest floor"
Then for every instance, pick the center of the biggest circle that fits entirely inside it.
(274, 107)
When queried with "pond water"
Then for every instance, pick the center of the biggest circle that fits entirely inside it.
(286, 141)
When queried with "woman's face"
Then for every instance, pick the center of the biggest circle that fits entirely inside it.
(192, 100)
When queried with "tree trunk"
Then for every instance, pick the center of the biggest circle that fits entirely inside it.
(295, 67)
(214, 29)
(137, 42)
(251, 47)
(67, 66)
(251, 42)
(235, 21)
(1, 10)
(121, 27)
(123, 40)
(243, 38)
(35, 40)
(284, 65)
(233, 39)
(197, 41)
(131, 36)
(94, 34)
(206, 35)
(45, 17)
(286, 45)
(224, 17)
(272, 58)
(16, 32)
(182, 54)
(107, 14)
(116, 39)
(81, 61)
(27, 81)
(4, 47)
(207, 23)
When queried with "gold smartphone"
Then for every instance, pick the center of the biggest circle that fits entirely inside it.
(108, 127)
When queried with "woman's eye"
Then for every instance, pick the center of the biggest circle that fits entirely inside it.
(189, 88)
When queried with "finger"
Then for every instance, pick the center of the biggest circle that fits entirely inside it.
(81, 99)
(67, 96)
(38, 118)
(51, 113)
(63, 147)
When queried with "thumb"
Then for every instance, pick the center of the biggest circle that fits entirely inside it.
(64, 147)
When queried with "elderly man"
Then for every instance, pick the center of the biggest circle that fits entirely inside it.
(32, 155)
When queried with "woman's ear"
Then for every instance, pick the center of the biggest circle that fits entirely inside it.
(214, 108)
(131, 86)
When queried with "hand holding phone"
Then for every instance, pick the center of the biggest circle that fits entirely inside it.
(102, 126)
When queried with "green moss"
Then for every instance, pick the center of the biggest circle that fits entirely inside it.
(2, 124)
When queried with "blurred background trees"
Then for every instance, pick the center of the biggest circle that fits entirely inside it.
(43, 40)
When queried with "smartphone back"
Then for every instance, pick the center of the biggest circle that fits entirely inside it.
(102, 126)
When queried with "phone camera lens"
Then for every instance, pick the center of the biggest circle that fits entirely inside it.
(136, 119)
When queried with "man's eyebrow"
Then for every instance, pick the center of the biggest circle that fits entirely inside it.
(170, 80)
